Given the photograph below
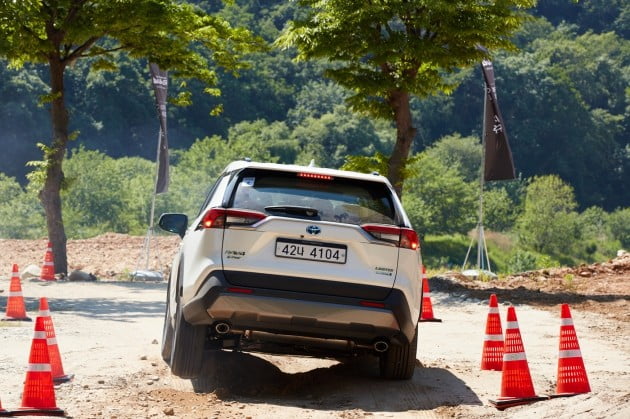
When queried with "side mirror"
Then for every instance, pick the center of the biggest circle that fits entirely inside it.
(174, 223)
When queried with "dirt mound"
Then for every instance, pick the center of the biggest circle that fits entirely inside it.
(601, 287)
(108, 256)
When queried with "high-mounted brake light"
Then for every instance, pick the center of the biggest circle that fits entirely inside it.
(401, 236)
(220, 218)
(314, 176)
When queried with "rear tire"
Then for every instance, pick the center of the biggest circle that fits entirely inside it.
(399, 362)
(187, 347)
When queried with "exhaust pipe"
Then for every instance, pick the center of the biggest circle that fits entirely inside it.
(381, 346)
(222, 328)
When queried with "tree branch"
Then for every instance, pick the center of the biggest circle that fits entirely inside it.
(78, 51)
(30, 32)
(76, 7)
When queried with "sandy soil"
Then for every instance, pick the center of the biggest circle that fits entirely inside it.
(109, 331)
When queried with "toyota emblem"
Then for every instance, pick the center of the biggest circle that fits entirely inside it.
(313, 230)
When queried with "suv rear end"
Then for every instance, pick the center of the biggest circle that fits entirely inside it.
(293, 259)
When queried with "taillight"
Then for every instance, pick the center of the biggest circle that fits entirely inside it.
(400, 236)
(409, 239)
(220, 218)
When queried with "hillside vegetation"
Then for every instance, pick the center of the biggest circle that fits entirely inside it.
(564, 98)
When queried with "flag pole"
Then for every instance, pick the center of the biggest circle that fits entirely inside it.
(146, 246)
(496, 161)
(481, 238)
(151, 221)
(159, 80)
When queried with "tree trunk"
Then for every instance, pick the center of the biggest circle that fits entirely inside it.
(405, 132)
(50, 196)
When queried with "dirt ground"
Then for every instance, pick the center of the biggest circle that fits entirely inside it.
(109, 331)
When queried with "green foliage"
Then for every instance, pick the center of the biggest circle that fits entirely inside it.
(21, 216)
(549, 223)
(402, 46)
(598, 15)
(314, 100)
(176, 35)
(620, 226)
(198, 167)
(538, 89)
(461, 153)
(437, 199)
(275, 137)
(366, 164)
(383, 53)
(106, 194)
(565, 91)
(161, 30)
(444, 251)
(499, 210)
(449, 252)
(522, 261)
(564, 98)
(331, 137)
(568, 282)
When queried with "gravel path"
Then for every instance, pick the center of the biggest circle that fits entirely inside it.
(108, 334)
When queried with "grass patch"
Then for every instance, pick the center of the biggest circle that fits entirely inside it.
(448, 252)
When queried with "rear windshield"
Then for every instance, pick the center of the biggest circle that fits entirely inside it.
(335, 199)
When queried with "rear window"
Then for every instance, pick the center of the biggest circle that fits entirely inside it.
(335, 199)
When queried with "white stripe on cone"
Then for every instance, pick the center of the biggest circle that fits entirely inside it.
(512, 325)
(39, 368)
(519, 356)
(573, 353)
(567, 322)
(493, 338)
(15, 293)
(493, 310)
(39, 335)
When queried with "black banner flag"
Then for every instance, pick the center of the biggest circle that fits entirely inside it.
(159, 79)
(498, 163)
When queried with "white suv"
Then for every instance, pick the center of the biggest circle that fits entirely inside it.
(295, 260)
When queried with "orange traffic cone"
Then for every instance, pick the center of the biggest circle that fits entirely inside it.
(572, 377)
(15, 301)
(48, 268)
(516, 383)
(492, 355)
(426, 315)
(38, 397)
(53, 349)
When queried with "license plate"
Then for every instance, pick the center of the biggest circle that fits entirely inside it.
(320, 252)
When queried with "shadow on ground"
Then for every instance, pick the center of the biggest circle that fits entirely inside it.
(347, 385)
(105, 308)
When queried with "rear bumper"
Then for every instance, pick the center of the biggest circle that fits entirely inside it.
(302, 314)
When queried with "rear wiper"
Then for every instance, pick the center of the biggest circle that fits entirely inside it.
(293, 210)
